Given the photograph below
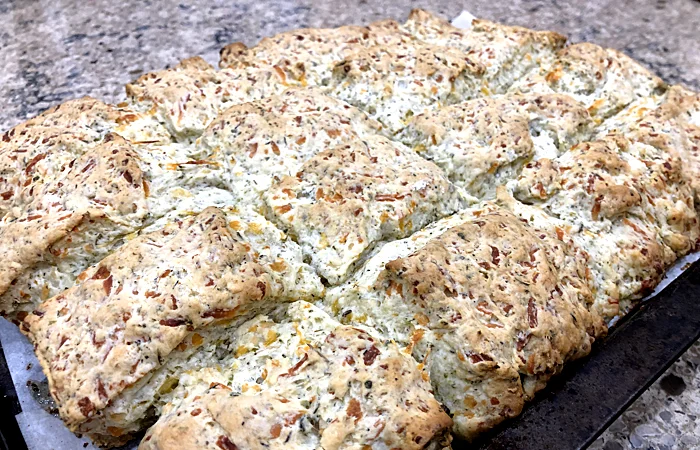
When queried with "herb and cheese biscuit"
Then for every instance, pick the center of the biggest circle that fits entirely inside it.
(394, 82)
(670, 122)
(259, 142)
(188, 96)
(128, 313)
(483, 143)
(299, 379)
(490, 305)
(625, 203)
(345, 200)
(72, 221)
(306, 57)
(603, 79)
(90, 200)
(506, 52)
(37, 151)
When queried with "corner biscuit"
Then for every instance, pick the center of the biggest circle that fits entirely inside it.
(625, 204)
(112, 328)
(36, 151)
(72, 221)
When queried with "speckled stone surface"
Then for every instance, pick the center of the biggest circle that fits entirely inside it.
(55, 50)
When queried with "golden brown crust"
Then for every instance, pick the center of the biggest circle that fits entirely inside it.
(103, 185)
(129, 312)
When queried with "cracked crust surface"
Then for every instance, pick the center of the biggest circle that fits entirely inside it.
(306, 57)
(187, 97)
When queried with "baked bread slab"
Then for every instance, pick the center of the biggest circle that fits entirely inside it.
(145, 236)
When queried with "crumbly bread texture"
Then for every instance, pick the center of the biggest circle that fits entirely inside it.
(466, 208)
(491, 306)
(482, 143)
(304, 382)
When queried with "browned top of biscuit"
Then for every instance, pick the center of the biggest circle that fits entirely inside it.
(132, 309)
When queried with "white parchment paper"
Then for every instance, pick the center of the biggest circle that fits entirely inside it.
(41, 430)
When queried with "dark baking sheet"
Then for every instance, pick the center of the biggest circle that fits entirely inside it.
(577, 405)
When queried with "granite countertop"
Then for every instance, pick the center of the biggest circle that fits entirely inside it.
(55, 50)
